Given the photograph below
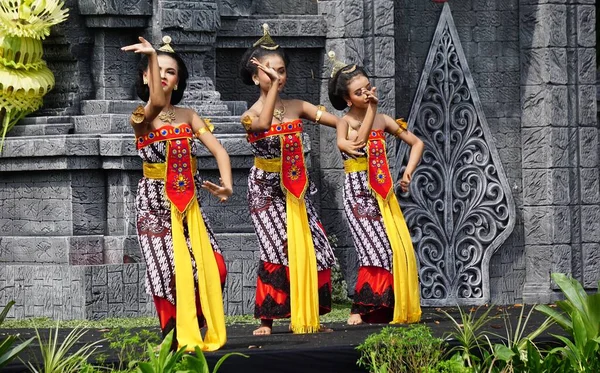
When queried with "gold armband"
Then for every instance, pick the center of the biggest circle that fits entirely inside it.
(320, 110)
(209, 127)
(138, 115)
(403, 127)
(247, 122)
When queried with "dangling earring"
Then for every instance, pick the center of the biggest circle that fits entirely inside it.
(145, 81)
(349, 103)
(175, 87)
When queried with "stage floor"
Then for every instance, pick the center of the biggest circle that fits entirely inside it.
(283, 351)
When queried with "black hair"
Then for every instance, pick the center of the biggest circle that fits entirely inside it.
(248, 69)
(338, 85)
(143, 91)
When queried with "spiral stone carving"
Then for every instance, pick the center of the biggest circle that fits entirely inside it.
(460, 208)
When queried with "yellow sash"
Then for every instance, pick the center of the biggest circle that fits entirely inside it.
(407, 303)
(209, 286)
(302, 261)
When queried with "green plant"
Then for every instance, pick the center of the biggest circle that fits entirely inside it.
(7, 351)
(130, 345)
(167, 361)
(56, 358)
(581, 319)
(469, 335)
(513, 351)
(453, 365)
(394, 349)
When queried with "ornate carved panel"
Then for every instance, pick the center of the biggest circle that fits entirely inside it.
(460, 208)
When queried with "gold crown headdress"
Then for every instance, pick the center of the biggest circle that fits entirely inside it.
(266, 42)
(338, 65)
(166, 45)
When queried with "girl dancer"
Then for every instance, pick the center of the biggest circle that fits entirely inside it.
(294, 275)
(388, 287)
(174, 234)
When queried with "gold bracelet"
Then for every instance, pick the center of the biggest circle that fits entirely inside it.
(320, 110)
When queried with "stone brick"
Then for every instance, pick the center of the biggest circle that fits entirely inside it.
(586, 65)
(384, 52)
(590, 223)
(586, 20)
(549, 33)
(548, 65)
(591, 271)
(587, 105)
(545, 105)
(588, 147)
(538, 260)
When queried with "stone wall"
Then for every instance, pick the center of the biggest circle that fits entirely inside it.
(559, 126)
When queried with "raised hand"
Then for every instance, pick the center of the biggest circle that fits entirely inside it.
(371, 97)
(143, 47)
(271, 73)
(222, 192)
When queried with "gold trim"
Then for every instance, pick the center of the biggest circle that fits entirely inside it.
(158, 171)
(268, 165)
(355, 165)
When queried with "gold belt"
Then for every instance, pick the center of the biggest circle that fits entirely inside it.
(355, 165)
(269, 165)
(159, 170)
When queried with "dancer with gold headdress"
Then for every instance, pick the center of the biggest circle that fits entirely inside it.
(387, 289)
(294, 275)
(185, 270)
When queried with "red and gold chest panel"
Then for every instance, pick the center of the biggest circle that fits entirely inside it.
(294, 177)
(380, 178)
(179, 165)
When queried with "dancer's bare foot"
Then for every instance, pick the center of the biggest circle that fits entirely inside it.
(265, 328)
(355, 319)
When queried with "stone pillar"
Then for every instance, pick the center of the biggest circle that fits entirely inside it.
(360, 32)
(193, 25)
(561, 195)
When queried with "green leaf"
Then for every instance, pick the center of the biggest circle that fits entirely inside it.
(9, 354)
(5, 310)
(224, 357)
(145, 368)
(503, 353)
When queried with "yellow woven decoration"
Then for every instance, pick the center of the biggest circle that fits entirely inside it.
(21, 53)
(31, 18)
(24, 76)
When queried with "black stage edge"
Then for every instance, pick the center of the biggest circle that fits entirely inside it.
(283, 351)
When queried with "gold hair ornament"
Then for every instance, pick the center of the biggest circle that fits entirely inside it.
(266, 42)
(166, 45)
(337, 64)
